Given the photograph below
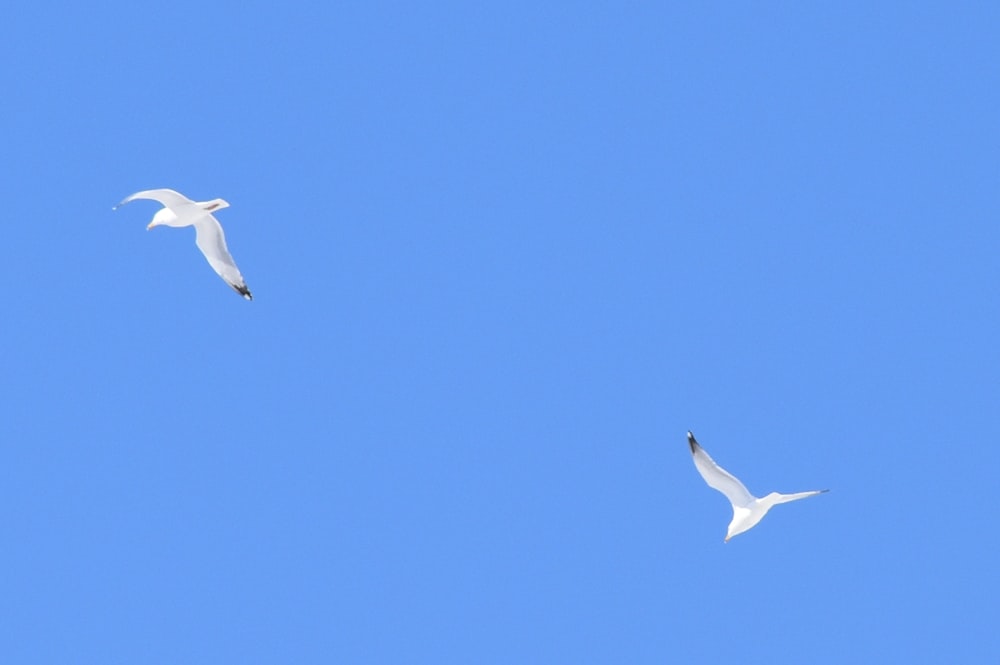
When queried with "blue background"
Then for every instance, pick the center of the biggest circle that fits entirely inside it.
(504, 255)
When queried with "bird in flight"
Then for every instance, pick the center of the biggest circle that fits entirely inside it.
(748, 510)
(180, 211)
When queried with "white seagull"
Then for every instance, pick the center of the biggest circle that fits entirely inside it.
(747, 509)
(180, 211)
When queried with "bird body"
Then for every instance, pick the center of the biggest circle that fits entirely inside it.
(180, 211)
(748, 510)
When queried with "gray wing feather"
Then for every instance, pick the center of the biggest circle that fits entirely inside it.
(212, 242)
(167, 197)
(717, 477)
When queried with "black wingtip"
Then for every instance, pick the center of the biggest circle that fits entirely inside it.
(242, 290)
(691, 441)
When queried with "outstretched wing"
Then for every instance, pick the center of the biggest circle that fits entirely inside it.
(167, 197)
(777, 498)
(212, 243)
(717, 477)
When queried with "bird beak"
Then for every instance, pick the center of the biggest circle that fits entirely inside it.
(151, 225)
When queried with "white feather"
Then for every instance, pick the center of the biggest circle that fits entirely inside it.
(181, 211)
(748, 510)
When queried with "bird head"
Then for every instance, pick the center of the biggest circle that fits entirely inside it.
(162, 216)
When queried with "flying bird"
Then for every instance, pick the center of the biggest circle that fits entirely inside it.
(747, 509)
(181, 211)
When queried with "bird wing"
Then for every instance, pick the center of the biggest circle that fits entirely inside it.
(717, 477)
(785, 498)
(167, 197)
(212, 243)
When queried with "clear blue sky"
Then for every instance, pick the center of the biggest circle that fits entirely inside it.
(504, 255)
